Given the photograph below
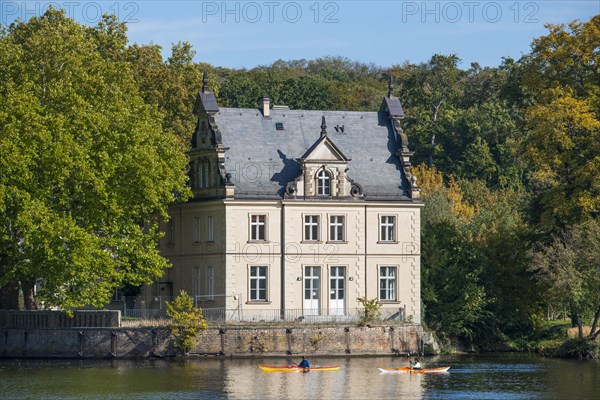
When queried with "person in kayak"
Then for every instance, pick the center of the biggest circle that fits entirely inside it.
(304, 363)
(415, 364)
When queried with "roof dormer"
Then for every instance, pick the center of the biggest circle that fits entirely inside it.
(324, 171)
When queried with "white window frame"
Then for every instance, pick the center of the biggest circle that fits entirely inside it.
(255, 227)
(196, 229)
(315, 235)
(387, 229)
(323, 183)
(192, 173)
(171, 232)
(196, 285)
(210, 283)
(205, 173)
(388, 283)
(210, 228)
(254, 275)
(200, 178)
(333, 233)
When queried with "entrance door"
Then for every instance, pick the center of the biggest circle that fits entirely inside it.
(312, 295)
(337, 280)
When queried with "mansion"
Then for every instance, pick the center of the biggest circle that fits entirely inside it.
(295, 214)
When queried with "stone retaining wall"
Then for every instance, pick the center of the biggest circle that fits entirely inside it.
(233, 341)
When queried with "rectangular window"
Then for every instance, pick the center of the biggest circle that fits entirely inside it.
(171, 232)
(196, 285)
(258, 227)
(200, 173)
(387, 283)
(205, 174)
(196, 229)
(388, 228)
(117, 296)
(258, 283)
(336, 228)
(210, 234)
(210, 283)
(311, 227)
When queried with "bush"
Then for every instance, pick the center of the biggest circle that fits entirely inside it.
(370, 312)
(580, 348)
(186, 321)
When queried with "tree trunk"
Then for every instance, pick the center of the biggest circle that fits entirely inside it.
(29, 296)
(432, 150)
(434, 116)
(9, 292)
(579, 326)
(9, 296)
(573, 315)
(593, 332)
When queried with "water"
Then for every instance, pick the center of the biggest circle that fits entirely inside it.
(502, 377)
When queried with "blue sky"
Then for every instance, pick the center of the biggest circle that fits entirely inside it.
(249, 33)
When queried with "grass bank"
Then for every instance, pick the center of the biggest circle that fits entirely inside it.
(560, 340)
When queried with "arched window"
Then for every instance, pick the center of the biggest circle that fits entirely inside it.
(323, 183)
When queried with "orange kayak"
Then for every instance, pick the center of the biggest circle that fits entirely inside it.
(415, 371)
(295, 368)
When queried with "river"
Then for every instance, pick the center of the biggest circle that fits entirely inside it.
(495, 376)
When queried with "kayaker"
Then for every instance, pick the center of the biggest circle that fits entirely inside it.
(415, 364)
(304, 363)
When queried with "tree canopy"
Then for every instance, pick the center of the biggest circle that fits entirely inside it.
(86, 170)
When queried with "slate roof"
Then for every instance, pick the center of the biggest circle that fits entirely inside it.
(262, 160)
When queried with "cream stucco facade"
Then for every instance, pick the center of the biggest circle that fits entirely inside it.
(270, 235)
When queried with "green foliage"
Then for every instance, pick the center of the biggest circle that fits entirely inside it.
(240, 91)
(475, 286)
(171, 86)
(307, 93)
(580, 349)
(86, 170)
(562, 147)
(568, 268)
(370, 312)
(186, 321)
(563, 126)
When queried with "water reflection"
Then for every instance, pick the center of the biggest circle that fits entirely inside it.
(358, 379)
(504, 377)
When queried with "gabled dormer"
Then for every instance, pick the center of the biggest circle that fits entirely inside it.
(324, 172)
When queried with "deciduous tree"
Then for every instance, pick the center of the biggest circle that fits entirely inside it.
(569, 266)
(86, 170)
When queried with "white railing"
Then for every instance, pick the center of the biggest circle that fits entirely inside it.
(144, 314)
(275, 315)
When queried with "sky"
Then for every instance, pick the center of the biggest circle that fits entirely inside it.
(245, 34)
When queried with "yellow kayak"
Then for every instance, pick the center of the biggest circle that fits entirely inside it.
(295, 368)
(415, 371)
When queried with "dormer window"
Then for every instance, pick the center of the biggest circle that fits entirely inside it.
(323, 183)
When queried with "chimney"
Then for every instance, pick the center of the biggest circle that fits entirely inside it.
(264, 105)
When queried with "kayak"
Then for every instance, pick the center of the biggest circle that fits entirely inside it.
(415, 371)
(295, 368)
